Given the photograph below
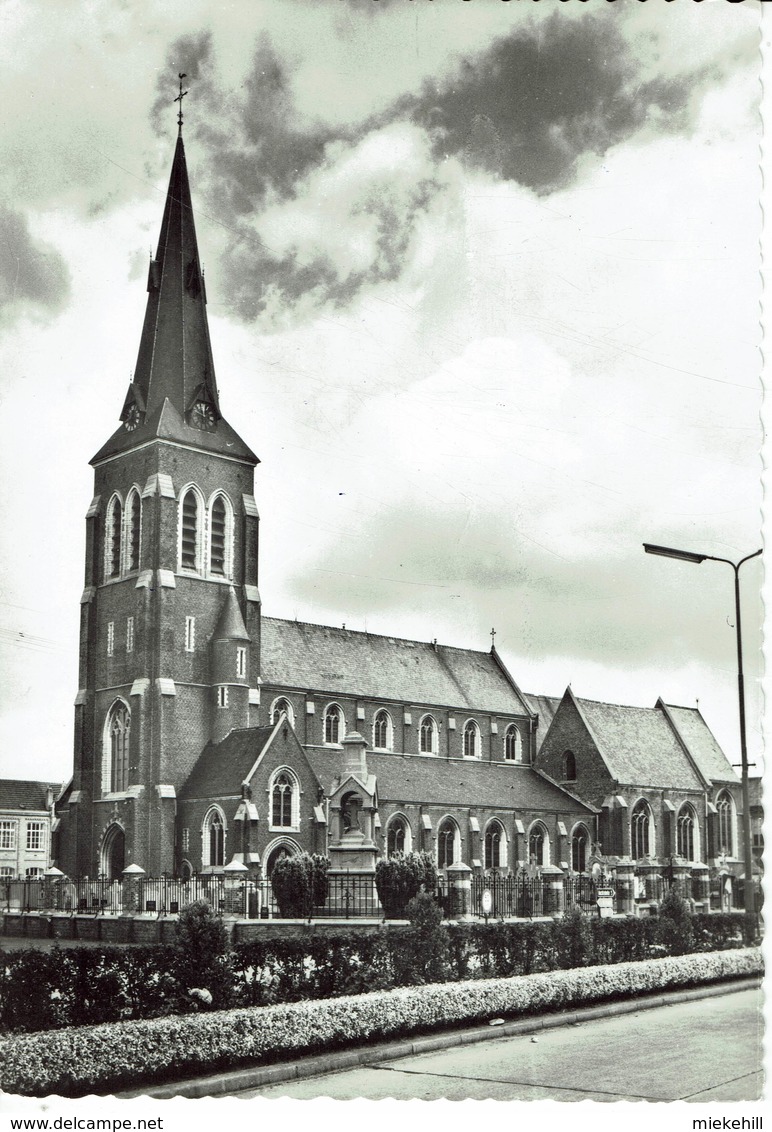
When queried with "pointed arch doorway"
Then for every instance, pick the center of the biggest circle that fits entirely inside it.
(112, 859)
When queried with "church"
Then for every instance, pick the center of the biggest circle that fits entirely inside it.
(206, 732)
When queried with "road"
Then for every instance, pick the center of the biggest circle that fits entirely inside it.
(706, 1050)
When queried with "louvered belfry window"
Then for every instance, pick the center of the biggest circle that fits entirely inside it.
(189, 531)
(114, 539)
(135, 517)
(217, 554)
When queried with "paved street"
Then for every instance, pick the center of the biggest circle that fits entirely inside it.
(707, 1050)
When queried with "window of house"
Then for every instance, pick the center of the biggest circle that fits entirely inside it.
(119, 730)
(641, 830)
(190, 634)
(134, 523)
(538, 844)
(241, 663)
(725, 809)
(471, 740)
(6, 872)
(219, 520)
(428, 736)
(190, 531)
(110, 638)
(382, 731)
(685, 833)
(7, 834)
(513, 744)
(397, 839)
(113, 538)
(446, 843)
(214, 839)
(222, 696)
(279, 706)
(129, 634)
(33, 872)
(569, 767)
(580, 844)
(35, 834)
(333, 724)
(494, 844)
(283, 801)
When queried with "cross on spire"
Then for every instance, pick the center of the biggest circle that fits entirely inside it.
(493, 639)
(179, 99)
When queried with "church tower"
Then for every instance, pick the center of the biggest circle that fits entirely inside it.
(170, 613)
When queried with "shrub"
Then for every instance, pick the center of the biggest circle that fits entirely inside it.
(200, 957)
(401, 877)
(299, 883)
(574, 940)
(423, 957)
(676, 932)
(102, 1058)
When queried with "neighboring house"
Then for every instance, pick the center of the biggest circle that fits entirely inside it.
(668, 798)
(757, 819)
(26, 822)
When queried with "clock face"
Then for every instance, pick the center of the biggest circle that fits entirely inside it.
(133, 417)
(202, 415)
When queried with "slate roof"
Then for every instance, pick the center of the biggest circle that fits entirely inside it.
(702, 743)
(295, 654)
(638, 746)
(16, 794)
(222, 767)
(452, 782)
(545, 707)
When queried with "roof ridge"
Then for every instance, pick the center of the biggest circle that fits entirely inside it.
(383, 636)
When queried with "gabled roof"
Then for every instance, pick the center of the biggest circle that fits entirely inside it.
(702, 743)
(175, 368)
(341, 662)
(16, 794)
(222, 767)
(545, 707)
(451, 782)
(638, 745)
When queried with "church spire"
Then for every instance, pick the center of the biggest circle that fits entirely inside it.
(174, 393)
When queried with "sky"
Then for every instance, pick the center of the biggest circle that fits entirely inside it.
(484, 290)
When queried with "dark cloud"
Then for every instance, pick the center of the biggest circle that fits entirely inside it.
(526, 110)
(31, 272)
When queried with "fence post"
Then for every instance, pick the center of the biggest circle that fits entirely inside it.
(625, 887)
(553, 895)
(701, 885)
(460, 891)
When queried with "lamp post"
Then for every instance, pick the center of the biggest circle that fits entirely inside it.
(690, 556)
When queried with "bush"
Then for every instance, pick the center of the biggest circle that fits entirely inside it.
(401, 877)
(200, 958)
(676, 932)
(100, 1059)
(299, 883)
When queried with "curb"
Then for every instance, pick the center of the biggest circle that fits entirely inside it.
(237, 1080)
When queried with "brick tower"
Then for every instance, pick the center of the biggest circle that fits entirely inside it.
(170, 613)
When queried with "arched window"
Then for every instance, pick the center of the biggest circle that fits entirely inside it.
(213, 839)
(398, 838)
(569, 767)
(428, 736)
(190, 531)
(279, 706)
(538, 845)
(281, 800)
(133, 530)
(685, 832)
(333, 725)
(725, 808)
(580, 847)
(641, 830)
(448, 844)
(495, 846)
(382, 731)
(513, 744)
(115, 765)
(113, 538)
(471, 740)
(220, 537)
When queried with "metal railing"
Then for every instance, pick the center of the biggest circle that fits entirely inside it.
(517, 896)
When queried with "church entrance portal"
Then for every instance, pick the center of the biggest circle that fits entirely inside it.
(113, 860)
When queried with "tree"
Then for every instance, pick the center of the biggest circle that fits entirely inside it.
(300, 884)
(401, 877)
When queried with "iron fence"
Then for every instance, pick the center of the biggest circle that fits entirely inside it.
(517, 896)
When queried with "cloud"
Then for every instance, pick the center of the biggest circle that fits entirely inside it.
(32, 273)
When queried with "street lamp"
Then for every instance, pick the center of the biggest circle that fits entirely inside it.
(690, 556)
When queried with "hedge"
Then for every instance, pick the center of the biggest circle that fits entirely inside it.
(83, 986)
(101, 1059)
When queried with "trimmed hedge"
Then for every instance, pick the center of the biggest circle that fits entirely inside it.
(101, 1059)
(83, 986)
